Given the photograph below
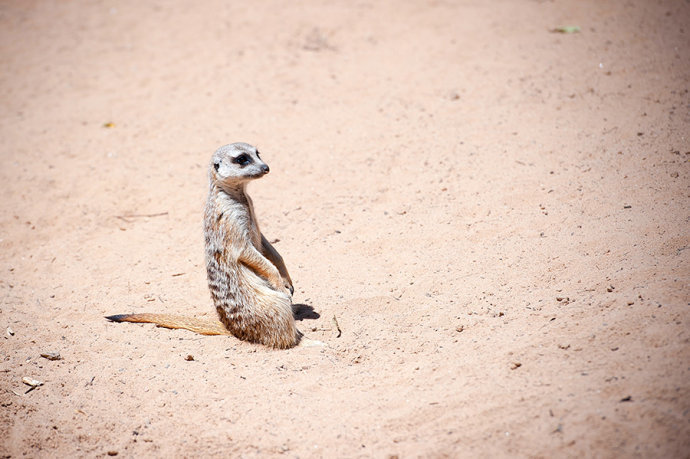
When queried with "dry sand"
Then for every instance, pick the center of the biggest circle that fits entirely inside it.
(496, 214)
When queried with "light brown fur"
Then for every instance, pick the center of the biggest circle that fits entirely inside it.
(249, 283)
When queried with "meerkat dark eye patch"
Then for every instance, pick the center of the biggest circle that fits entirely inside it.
(242, 160)
(216, 166)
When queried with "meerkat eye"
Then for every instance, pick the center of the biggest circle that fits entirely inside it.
(216, 166)
(242, 160)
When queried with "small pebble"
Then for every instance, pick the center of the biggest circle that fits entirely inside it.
(51, 355)
(189, 358)
(31, 382)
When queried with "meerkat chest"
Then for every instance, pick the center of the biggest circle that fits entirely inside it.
(253, 225)
(239, 222)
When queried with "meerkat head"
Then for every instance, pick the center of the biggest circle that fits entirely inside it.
(237, 163)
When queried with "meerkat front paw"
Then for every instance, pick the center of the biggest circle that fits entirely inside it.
(283, 286)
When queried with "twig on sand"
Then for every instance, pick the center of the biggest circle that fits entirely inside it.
(335, 322)
(125, 217)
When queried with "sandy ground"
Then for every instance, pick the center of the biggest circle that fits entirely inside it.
(496, 214)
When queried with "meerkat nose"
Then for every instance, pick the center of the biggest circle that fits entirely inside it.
(265, 169)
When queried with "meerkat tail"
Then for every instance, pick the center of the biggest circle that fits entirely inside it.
(200, 326)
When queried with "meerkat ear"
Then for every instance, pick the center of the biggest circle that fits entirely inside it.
(224, 169)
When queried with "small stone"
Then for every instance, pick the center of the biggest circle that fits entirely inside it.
(31, 382)
(515, 365)
(51, 355)
(189, 358)
(112, 453)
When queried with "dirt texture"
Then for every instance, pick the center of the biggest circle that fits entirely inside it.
(495, 213)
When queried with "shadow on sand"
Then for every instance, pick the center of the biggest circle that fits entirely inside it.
(304, 311)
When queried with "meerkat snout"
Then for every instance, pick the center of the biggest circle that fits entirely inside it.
(265, 168)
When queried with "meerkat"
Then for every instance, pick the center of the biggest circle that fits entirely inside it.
(249, 283)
